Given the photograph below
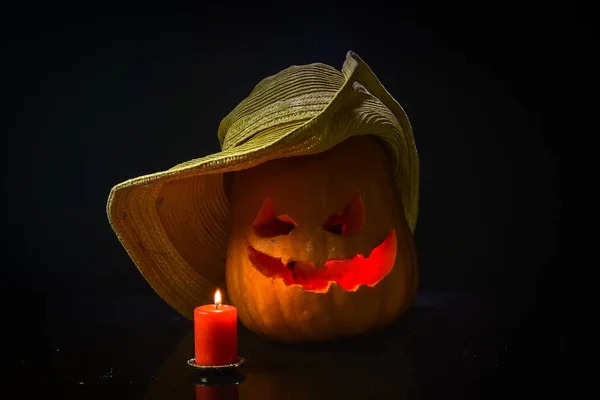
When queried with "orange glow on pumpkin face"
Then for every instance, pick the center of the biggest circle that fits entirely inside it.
(318, 245)
(347, 272)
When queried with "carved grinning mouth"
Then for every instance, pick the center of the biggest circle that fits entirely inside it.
(348, 273)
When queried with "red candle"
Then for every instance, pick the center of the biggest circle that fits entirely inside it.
(215, 333)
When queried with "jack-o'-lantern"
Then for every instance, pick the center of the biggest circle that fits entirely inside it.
(305, 217)
(319, 247)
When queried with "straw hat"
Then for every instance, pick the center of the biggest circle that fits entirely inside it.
(174, 223)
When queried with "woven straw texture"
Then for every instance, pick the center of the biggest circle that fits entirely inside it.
(174, 223)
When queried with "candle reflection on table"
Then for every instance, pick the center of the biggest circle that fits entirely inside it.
(207, 392)
(217, 386)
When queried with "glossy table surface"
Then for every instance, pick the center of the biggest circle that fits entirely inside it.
(448, 345)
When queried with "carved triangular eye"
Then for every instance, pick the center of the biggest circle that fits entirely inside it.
(352, 219)
(268, 224)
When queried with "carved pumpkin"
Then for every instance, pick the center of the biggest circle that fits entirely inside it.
(319, 247)
(301, 217)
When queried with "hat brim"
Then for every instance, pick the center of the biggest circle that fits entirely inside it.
(174, 224)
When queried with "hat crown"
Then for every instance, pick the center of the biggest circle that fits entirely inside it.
(281, 102)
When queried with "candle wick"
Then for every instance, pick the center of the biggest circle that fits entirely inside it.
(217, 305)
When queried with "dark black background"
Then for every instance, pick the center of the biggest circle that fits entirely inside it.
(97, 96)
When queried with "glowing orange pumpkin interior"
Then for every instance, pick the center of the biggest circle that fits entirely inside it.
(349, 273)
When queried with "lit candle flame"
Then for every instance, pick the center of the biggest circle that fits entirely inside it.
(217, 298)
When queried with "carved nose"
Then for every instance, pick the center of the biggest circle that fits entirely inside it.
(309, 246)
